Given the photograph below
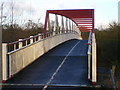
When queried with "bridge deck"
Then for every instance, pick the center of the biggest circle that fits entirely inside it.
(72, 72)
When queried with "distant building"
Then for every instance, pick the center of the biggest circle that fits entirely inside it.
(119, 12)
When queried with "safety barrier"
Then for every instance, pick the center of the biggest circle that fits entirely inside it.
(92, 58)
(25, 54)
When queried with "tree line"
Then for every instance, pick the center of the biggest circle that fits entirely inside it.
(14, 25)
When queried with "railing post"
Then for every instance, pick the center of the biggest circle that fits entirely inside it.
(89, 60)
(14, 46)
(62, 23)
(48, 25)
(66, 26)
(54, 28)
(20, 43)
(26, 42)
(35, 39)
(39, 37)
(1, 46)
(93, 59)
(4, 62)
(45, 25)
(31, 39)
(89, 55)
(42, 36)
(56, 23)
(69, 25)
(72, 27)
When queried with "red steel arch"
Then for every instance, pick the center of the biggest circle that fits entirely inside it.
(84, 18)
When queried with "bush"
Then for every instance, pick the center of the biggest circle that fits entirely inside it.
(108, 47)
(108, 41)
(11, 34)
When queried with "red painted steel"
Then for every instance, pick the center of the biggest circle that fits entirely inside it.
(85, 17)
(93, 21)
(45, 25)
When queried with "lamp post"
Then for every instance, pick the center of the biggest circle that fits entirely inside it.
(0, 55)
(1, 20)
(119, 12)
(1, 46)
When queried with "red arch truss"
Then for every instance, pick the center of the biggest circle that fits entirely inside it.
(84, 18)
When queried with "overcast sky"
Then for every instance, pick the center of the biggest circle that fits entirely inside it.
(106, 11)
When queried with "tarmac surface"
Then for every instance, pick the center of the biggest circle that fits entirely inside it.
(64, 65)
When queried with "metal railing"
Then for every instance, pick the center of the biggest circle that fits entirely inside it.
(89, 42)
(92, 68)
(32, 39)
(24, 42)
(89, 54)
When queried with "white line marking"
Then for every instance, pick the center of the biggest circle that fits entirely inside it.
(45, 87)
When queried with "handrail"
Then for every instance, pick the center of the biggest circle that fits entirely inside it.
(89, 42)
(32, 39)
(92, 58)
(89, 54)
(90, 36)
(94, 61)
(25, 39)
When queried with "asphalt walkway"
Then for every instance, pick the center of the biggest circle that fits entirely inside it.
(64, 65)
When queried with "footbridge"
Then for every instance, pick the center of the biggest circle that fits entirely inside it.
(56, 59)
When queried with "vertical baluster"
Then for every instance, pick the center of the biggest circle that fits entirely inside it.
(49, 27)
(72, 27)
(31, 39)
(35, 38)
(66, 26)
(39, 37)
(54, 29)
(62, 23)
(20, 43)
(26, 42)
(14, 46)
(57, 25)
(69, 25)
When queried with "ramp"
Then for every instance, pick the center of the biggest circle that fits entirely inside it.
(72, 72)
